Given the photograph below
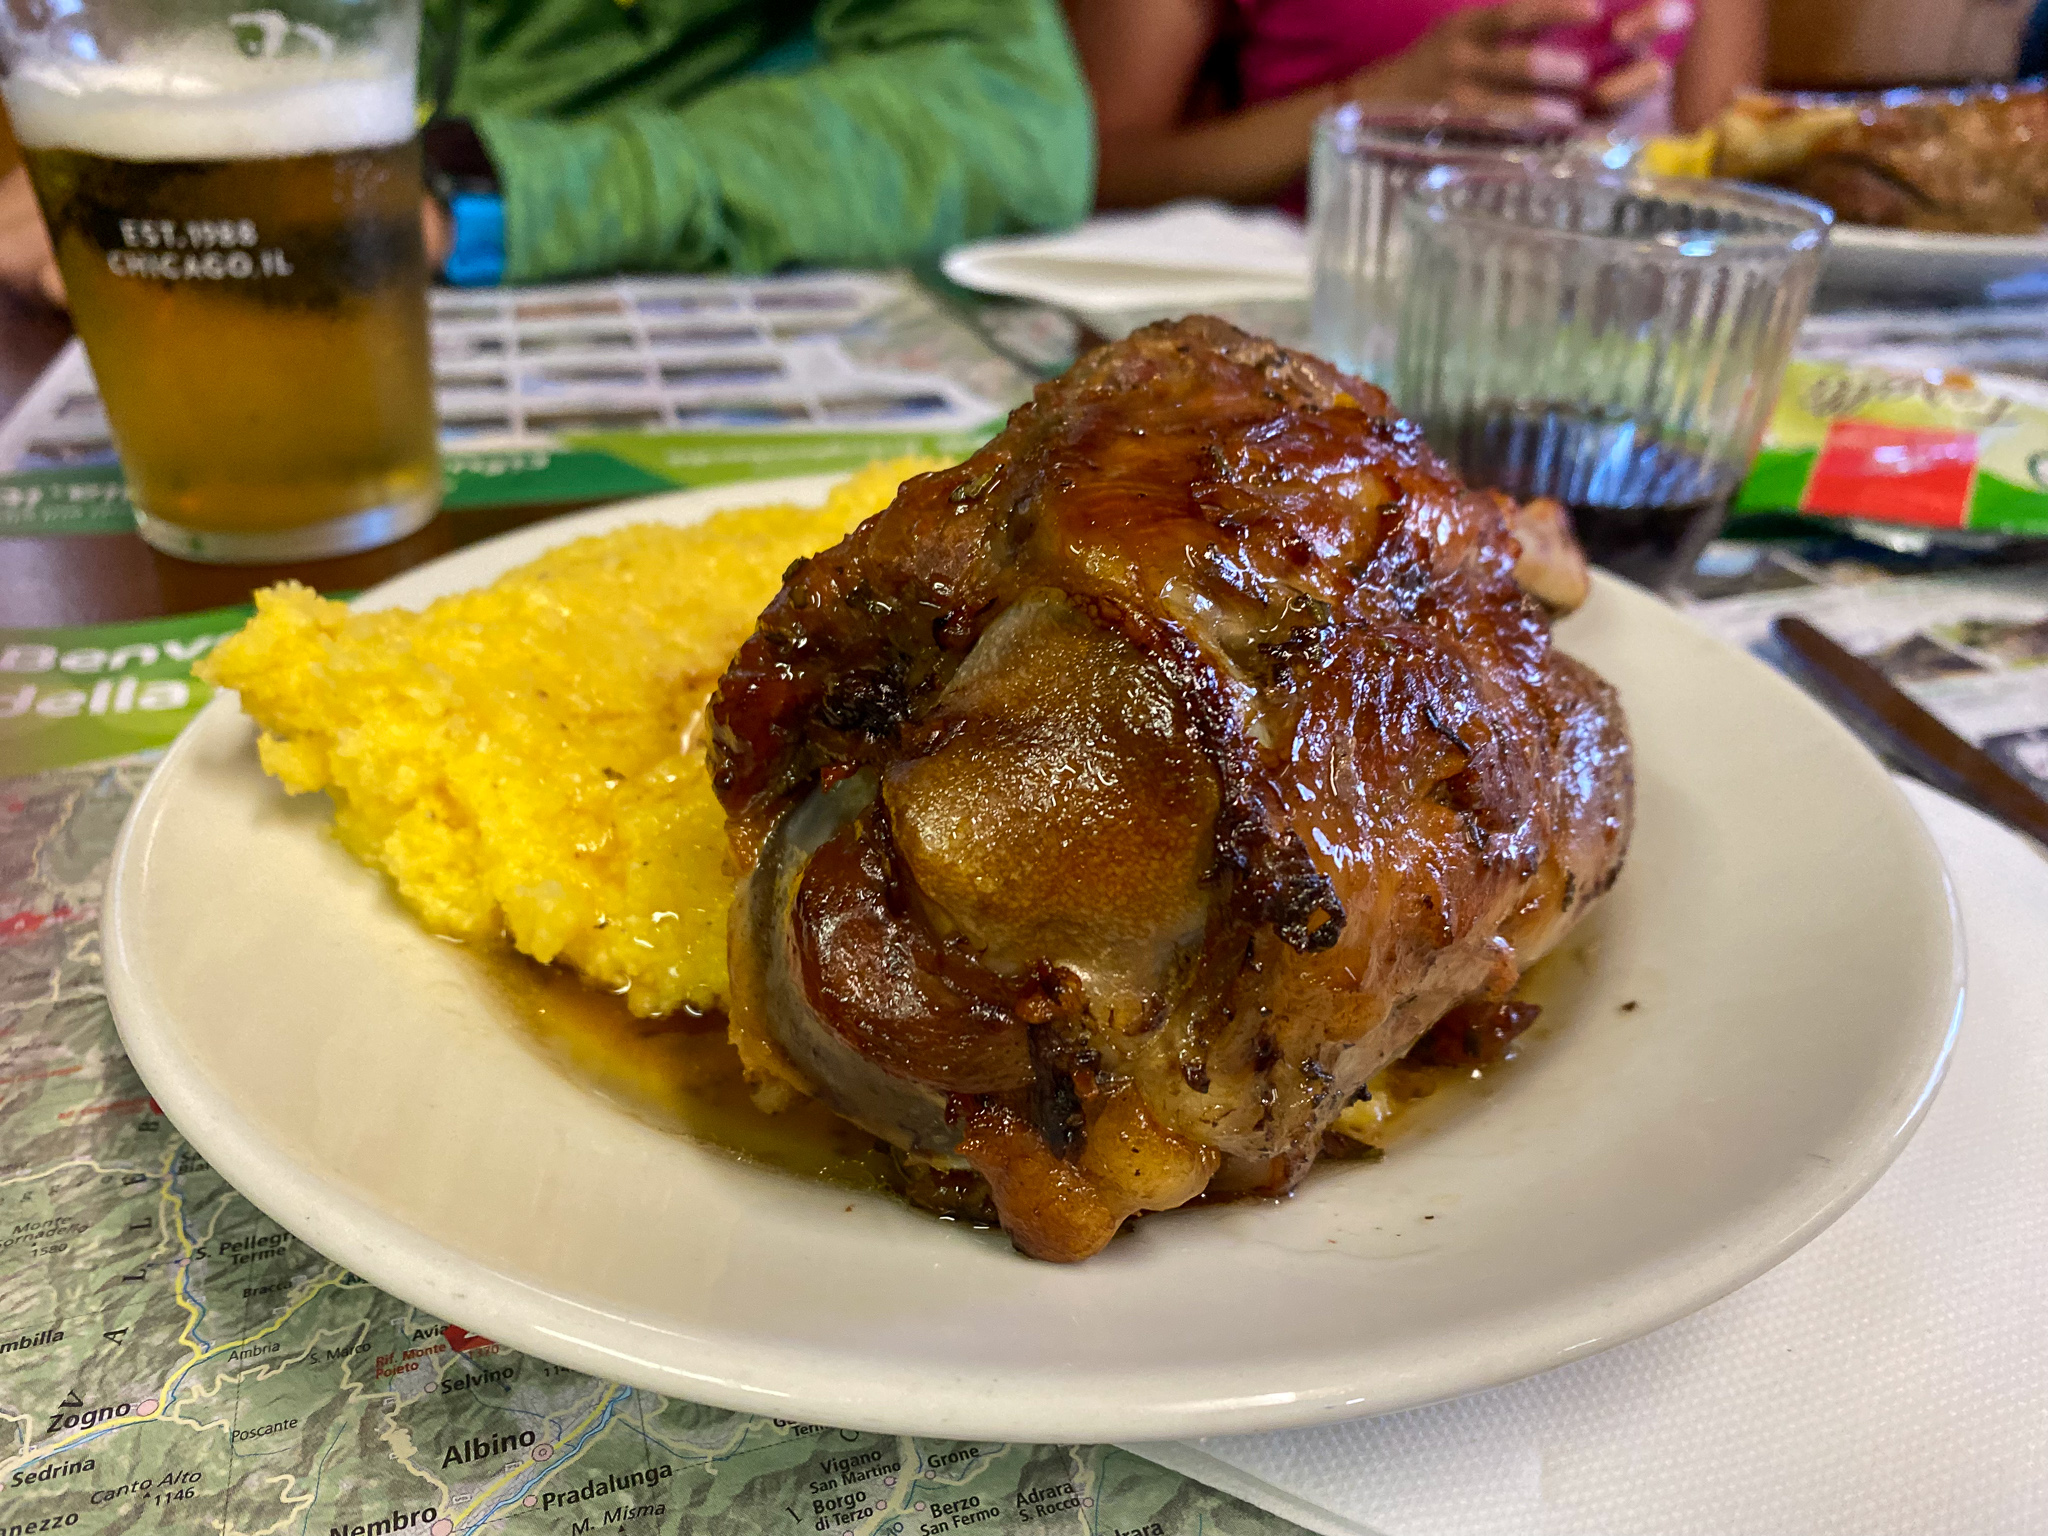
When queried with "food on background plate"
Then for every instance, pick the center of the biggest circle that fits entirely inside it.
(526, 761)
(1116, 804)
(1969, 161)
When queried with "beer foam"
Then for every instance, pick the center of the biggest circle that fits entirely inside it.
(170, 109)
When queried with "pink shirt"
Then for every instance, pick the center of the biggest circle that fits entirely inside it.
(1290, 45)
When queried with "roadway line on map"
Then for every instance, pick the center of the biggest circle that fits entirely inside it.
(391, 1431)
(334, 1436)
(166, 1397)
(229, 1346)
(483, 1507)
(356, 1392)
(295, 1503)
(602, 1414)
(48, 1170)
(173, 1199)
(284, 1497)
(693, 1453)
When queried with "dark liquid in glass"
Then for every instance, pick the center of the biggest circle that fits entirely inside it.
(1643, 508)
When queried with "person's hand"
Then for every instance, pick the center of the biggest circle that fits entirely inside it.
(1489, 59)
(27, 265)
(437, 231)
(1640, 31)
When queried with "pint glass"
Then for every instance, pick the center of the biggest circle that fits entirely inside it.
(234, 195)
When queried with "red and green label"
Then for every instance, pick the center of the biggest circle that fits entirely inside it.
(1928, 450)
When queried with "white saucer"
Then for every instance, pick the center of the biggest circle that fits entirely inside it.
(1902, 263)
(1783, 931)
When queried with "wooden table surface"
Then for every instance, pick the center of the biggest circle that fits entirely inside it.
(98, 578)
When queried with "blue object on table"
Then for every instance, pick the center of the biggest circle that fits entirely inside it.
(478, 257)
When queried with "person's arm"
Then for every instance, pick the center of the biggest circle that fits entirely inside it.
(27, 264)
(1724, 55)
(1141, 57)
(928, 122)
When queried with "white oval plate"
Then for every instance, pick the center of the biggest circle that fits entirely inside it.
(1783, 930)
(1873, 262)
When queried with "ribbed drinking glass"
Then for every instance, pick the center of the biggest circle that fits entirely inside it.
(1363, 165)
(1615, 343)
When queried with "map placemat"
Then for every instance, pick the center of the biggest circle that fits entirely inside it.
(172, 1360)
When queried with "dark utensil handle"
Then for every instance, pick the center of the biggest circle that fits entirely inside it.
(1920, 741)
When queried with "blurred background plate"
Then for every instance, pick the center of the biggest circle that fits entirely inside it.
(1870, 263)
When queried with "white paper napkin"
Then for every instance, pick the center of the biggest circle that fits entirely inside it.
(1890, 1379)
(1184, 256)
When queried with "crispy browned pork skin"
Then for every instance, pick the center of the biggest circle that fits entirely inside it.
(1116, 803)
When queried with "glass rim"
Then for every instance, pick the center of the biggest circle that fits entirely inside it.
(1809, 221)
(1354, 126)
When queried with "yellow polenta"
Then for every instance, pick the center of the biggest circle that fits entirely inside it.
(527, 760)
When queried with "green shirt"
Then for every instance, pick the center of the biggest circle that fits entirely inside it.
(746, 135)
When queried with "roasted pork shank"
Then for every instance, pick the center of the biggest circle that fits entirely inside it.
(1118, 802)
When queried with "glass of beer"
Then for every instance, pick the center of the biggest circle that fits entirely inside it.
(234, 194)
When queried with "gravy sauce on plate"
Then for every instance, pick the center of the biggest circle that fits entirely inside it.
(681, 1074)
